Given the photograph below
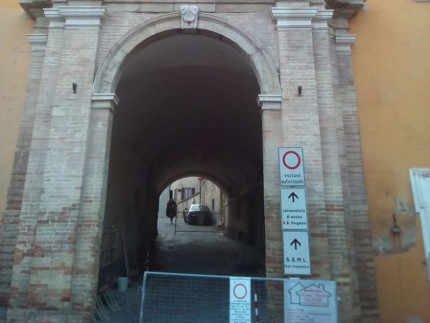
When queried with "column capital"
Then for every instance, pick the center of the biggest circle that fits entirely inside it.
(104, 101)
(294, 17)
(269, 101)
(37, 41)
(322, 18)
(82, 16)
(343, 43)
(55, 18)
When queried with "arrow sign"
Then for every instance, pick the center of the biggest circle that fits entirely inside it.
(293, 196)
(296, 253)
(295, 242)
(293, 208)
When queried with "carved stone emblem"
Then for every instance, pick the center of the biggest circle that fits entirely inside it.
(189, 16)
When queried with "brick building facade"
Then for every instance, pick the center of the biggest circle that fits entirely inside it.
(88, 55)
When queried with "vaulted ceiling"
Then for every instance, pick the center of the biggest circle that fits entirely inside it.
(188, 107)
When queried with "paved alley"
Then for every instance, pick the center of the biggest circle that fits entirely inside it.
(183, 248)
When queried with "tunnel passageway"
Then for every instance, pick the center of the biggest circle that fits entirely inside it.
(205, 252)
(187, 107)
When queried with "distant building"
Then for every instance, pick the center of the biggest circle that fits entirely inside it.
(199, 190)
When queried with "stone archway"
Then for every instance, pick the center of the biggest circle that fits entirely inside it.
(110, 70)
(54, 231)
(80, 198)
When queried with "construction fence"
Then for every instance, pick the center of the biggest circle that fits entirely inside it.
(172, 297)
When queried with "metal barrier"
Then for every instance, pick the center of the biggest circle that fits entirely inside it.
(172, 297)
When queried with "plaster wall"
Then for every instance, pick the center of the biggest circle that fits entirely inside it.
(213, 197)
(392, 69)
(14, 62)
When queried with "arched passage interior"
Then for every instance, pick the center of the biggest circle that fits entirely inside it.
(187, 106)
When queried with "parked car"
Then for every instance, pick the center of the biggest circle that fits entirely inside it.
(199, 214)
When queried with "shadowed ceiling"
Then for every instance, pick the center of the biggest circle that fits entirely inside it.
(188, 107)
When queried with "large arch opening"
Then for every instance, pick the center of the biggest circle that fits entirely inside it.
(187, 108)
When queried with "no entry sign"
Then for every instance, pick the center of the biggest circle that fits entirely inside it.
(240, 300)
(291, 166)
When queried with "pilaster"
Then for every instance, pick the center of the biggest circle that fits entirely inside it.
(44, 260)
(300, 121)
(340, 248)
(41, 97)
(10, 227)
(357, 219)
(93, 200)
(271, 115)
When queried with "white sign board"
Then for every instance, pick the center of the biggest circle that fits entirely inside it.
(310, 301)
(291, 166)
(293, 208)
(420, 181)
(297, 259)
(240, 300)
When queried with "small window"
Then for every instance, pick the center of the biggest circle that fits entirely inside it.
(187, 192)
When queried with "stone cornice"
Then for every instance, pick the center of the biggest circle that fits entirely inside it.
(55, 18)
(82, 16)
(31, 5)
(75, 16)
(321, 19)
(345, 8)
(342, 8)
(294, 17)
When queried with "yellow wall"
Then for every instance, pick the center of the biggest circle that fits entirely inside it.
(391, 60)
(14, 60)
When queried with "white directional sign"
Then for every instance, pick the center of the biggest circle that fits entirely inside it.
(293, 208)
(291, 166)
(240, 300)
(310, 301)
(297, 259)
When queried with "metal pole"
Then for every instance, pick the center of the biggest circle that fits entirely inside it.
(142, 299)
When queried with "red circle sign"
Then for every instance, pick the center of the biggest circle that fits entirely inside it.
(294, 166)
(239, 291)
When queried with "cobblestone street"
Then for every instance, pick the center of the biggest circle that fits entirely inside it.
(195, 250)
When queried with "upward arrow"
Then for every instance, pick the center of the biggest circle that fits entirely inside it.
(293, 196)
(295, 242)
